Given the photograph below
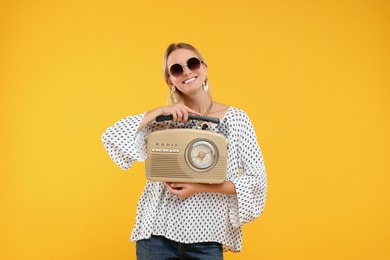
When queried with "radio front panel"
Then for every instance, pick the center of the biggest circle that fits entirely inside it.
(186, 155)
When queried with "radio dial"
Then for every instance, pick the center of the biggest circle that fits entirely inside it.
(202, 154)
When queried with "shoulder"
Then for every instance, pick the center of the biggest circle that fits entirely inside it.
(220, 108)
(238, 120)
(236, 113)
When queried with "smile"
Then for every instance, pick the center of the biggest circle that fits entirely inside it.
(189, 80)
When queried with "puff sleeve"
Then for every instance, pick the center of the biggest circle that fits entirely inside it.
(124, 143)
(251, 182)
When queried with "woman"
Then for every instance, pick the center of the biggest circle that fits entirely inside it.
(192, 220)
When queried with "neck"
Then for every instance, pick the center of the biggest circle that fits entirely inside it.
(202, 104)
(208, 108)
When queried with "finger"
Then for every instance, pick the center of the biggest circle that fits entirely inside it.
(179, 116)
(174, 116)
(168, 187)
(185, 115)
(177, 186)
(173, 191)
(173, 186)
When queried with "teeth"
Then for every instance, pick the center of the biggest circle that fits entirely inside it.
(189, 80)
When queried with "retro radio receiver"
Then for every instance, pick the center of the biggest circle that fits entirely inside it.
(186, 155)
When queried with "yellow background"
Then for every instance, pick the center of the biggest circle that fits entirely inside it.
(312, 75)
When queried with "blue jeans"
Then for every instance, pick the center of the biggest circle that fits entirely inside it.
(161, 248)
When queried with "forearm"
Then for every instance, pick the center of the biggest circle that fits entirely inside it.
(149, 116)
(226, 187)
(185, 190)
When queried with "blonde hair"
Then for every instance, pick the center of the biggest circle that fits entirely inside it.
(175, 96)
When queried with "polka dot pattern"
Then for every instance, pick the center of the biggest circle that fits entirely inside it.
(203, 216)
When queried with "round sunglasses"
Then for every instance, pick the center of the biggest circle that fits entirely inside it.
(177, 70)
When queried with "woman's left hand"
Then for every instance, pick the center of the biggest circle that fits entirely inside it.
(184, 190)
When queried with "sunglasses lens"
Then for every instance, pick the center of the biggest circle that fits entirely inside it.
(193, 63)
(176, 70)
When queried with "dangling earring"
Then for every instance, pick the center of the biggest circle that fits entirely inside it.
(174, 96)
(205, 85)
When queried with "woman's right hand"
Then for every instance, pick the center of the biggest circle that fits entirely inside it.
(179, 112)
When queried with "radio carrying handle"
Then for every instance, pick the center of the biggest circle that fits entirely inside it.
(214, 120)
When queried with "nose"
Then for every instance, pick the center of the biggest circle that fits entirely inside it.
(186, 70)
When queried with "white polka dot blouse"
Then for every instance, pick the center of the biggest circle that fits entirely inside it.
(202, 217)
